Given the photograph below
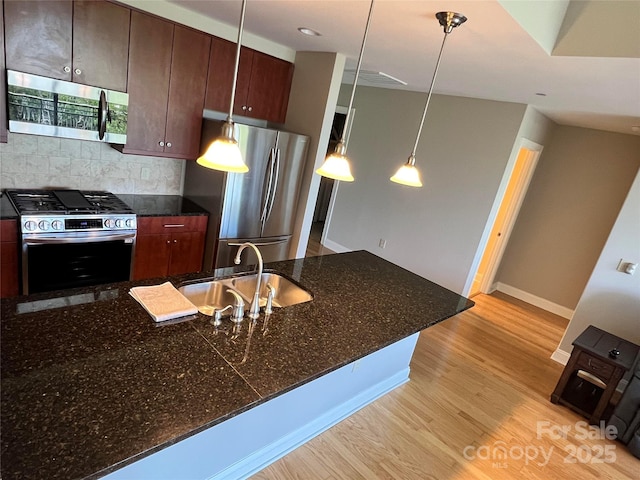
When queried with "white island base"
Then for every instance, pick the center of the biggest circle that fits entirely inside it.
(248, 442)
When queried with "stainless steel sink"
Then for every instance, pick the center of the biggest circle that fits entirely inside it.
(213, 294)
(287, 292)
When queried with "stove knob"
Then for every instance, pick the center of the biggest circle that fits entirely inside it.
(57, 225)
(30, 225)
(119, 223)
(108, 223)
(129, 223)
(44, 225)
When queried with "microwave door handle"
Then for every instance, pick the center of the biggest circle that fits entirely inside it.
(103, 112)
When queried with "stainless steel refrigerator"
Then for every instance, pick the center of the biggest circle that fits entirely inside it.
(258, 206)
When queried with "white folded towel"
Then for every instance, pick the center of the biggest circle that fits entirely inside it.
(163, 302)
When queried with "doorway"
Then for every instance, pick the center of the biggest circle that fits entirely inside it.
(322, 211)
(506, 216)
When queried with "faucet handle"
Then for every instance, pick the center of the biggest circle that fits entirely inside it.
(217, 315)
(238, 306)
(271, 293)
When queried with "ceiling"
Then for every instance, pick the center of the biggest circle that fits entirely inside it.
(578, 62)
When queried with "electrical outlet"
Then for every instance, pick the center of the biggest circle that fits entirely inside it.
(382, 243)
(145, 173)
(627, 267)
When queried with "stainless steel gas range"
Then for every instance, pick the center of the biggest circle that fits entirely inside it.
(73, 238)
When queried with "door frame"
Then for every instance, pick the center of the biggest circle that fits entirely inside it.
(336, 184)
(513, 209)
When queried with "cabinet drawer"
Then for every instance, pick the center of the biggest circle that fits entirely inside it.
(190, 223)
(590, 364)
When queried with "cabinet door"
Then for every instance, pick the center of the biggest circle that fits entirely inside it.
(241, 105)
(38, 37)
(9, 280)
(152, 256)
(189, 65)
(220, 77)
(186, 252)
(270, 84)
(100, 44)
(3, 81)
(149, 70)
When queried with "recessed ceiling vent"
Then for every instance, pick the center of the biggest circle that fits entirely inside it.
(372, 79)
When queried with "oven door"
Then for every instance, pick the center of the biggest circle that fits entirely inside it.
(76, 259)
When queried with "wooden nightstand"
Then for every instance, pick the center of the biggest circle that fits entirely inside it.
(592, 354)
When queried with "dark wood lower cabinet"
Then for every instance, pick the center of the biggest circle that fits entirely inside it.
(9, 278)
(169, 246)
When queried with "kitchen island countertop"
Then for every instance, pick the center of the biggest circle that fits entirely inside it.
(90, 383)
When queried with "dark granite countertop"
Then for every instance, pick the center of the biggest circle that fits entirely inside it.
(161, 205)
(90, 383)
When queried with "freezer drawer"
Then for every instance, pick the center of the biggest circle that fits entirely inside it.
(272, 250)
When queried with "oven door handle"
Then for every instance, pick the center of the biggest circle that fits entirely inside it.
(44, 239)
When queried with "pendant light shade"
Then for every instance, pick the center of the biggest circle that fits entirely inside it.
(408, 174)
(223, 153)
(337, 165)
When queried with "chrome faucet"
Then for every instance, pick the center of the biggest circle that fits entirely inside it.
(254, 310)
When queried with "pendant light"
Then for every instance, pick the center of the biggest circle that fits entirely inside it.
(224, 153)
(408, 174)
(336, 165)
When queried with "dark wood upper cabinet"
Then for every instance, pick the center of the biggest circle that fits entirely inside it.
(269, 87)
(189, 65)
(149, 70)
(38, 37)
(263, 85)
(167, 77)
(82, 41)
(3, 81)
(100, 44)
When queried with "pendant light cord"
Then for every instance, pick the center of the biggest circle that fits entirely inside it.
(235, 72)
(355, 79)
(412, 158)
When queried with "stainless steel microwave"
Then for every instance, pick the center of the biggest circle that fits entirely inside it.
(46, 106)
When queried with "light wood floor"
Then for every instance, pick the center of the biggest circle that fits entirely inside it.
(314, 247)
(480, 386)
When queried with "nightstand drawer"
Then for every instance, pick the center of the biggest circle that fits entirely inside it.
(597, 367)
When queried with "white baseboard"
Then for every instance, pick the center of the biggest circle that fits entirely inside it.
(336, 247)
(560, 356)
(535, 301)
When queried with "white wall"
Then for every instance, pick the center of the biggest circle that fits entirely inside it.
(611, 299)
(579, 186)
(433, 231)
(34, 161)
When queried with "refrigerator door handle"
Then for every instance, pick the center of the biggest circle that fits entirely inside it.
(267, 195)
(275, 185)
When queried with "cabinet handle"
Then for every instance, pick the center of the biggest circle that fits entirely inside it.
(77, 71)
(168, 242)
(175, 241)
(244, 107)
(66, 69)
(169, 144)
(592, 366)
(250, 109)
(173, 225)
(161, 143)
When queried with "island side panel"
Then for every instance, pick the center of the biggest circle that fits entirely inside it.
(248, 442)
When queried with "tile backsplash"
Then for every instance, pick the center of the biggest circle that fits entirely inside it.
(33, 161)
